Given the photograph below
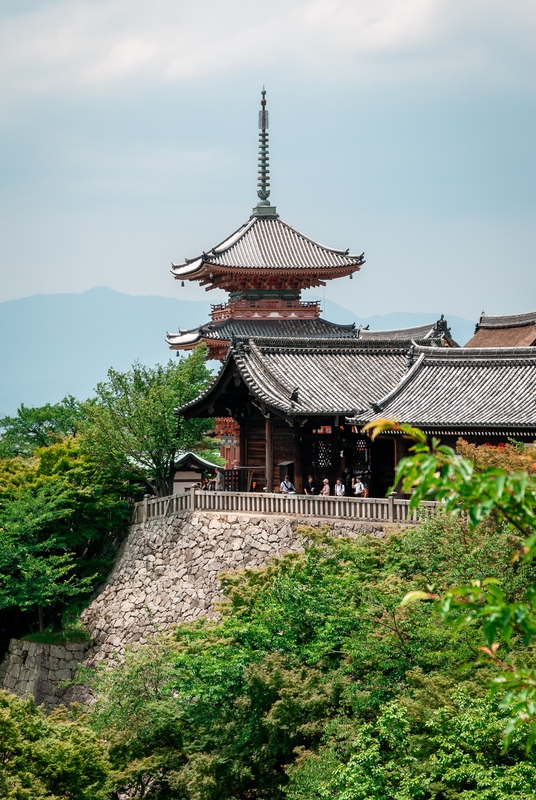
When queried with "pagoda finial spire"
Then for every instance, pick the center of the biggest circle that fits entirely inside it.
(263, 207)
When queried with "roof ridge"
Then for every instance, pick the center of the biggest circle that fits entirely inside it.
(400, 385)
(478, 353)
(492, 321)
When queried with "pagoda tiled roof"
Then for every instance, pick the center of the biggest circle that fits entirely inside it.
(227, 329)
(464, 389)
(268, 244)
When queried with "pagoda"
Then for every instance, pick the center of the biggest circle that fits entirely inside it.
(264, 266)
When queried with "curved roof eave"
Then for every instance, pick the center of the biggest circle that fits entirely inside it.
(272, 241)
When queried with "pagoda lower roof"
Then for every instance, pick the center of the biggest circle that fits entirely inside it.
(227, 329)
(267, 244)
(464, 390)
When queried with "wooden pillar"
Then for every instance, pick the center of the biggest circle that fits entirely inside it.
(243, 457)
(298, 477)
(268, 434)
(336, 448)
(399, 453)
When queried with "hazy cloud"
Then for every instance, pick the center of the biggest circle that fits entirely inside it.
(75, 45)
(404, 128)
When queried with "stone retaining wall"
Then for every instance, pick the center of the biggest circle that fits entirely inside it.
(167, 571)
(36, 669)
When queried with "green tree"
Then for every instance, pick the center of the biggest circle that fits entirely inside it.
(133, 425)
(39, 427)
(480, 490)
(61, 519)
(52, 758)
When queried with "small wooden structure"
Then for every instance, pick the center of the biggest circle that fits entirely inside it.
(191, 469)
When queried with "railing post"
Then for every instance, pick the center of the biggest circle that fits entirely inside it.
(145, 515)
(391, 507)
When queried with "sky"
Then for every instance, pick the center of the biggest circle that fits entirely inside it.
(402, 128)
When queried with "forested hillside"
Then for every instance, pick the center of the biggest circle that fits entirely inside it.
(69, 473)
(394, 668)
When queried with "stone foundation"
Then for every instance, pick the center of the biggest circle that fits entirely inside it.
(166, 572)
(36, 669)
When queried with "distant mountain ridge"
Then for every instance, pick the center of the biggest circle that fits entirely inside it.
(60, 344)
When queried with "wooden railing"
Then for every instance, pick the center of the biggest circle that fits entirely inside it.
(371, 509)
(161, 506)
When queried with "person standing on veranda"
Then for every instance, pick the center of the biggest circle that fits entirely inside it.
(287, 487)
(220, 481)
(325, 490)
(310, 487)
(339, 488)
(359, 488)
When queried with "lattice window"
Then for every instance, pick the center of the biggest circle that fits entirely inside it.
(317, 455)
(361, 452)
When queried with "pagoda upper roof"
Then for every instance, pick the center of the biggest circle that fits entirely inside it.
(268, 244)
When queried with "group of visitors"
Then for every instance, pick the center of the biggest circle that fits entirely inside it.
(355, 486)
(215, 484)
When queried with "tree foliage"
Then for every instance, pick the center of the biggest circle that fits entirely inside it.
(480, 490)
(52, 758)
(318, 683)
(133, 426)
(60, 519)
(33, 428)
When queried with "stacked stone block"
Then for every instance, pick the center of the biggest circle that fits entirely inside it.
(167, 572)
(35, 669)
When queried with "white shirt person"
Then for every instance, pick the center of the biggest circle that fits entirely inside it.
(359, 488)
(287, 487)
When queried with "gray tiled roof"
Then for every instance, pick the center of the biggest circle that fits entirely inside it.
(227, 329)
(286, 328)
(332, 376)
(269, 243)
(418, 333)
(506, 320)
(469, 388)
